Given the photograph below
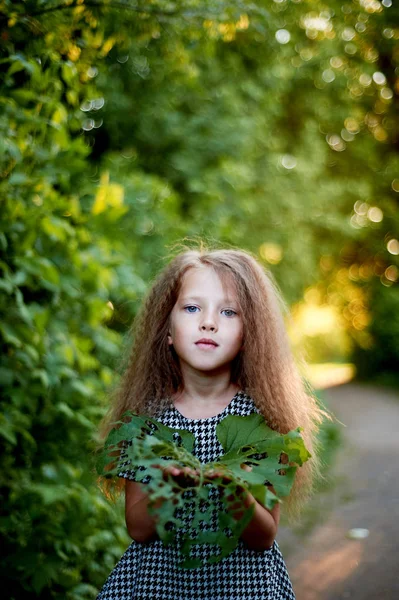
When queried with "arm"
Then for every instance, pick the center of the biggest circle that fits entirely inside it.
(140, 524)
(262, 529)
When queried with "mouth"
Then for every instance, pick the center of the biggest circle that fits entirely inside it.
(206, 343)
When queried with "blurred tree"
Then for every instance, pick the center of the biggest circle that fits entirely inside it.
(59, 280)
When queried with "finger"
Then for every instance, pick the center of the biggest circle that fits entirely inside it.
(247, 468)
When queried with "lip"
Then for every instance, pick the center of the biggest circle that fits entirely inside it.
(207, 341)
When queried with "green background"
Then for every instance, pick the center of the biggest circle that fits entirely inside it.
(126, 128)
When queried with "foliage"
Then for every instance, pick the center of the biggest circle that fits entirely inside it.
(215, 492)
(57, 278)
(384, 330)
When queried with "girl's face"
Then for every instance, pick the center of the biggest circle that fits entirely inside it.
(206, 327)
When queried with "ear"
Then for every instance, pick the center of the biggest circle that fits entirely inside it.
(170, 341)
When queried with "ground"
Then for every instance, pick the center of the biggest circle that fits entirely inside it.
(327, 564)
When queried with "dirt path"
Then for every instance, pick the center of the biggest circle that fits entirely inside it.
(327, 565)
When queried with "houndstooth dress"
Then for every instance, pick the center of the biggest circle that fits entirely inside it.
(150, 572)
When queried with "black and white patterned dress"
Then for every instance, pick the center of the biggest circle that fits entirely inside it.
(150, 571)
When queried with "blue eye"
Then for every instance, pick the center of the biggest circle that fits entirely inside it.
(191, 309)
(228, 312)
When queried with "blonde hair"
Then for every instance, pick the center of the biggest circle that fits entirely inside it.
(265, 369)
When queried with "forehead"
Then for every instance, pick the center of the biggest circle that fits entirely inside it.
(205, 280)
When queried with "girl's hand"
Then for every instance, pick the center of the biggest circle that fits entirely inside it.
(185, 477)
(241, 500)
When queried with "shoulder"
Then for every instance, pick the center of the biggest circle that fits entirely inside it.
(243, 405)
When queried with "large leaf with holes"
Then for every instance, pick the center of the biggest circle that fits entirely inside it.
(205, 509)
(260, 456)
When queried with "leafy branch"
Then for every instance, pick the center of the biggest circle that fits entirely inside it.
(207, 507)
(202, 11)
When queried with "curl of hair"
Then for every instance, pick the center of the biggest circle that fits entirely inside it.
(265, 368)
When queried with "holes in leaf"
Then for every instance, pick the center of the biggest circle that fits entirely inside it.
(259, 456)
(245, 449)
(228, 532)
(177, 439)
(283, 459)
(203, 506)
(247, 466)
(178, 513)
(203, 525)
(187, 494)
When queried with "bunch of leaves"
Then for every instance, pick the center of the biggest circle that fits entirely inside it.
(208, 507)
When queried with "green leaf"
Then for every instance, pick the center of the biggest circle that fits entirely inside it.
(249, 442)
(190, 505)
(233, 432)
(10, 335)
(7, 431)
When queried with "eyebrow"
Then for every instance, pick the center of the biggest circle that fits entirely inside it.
(200, 298)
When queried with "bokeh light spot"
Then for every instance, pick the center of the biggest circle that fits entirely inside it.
(336, 62)
(375, 214)
(348, 34)
(98, 103)
(393, 246)
(379, 78)
(336, 143)
(365, 80)
(288, 161)
(372, 6)
(350, 48)
(92, 72)
(88, 124)
(391, 273)
(272, 253)
(328, 75)
(361, 208)
(283, 36)
(86, 106)
(386, 94)
(352, 125)
(347, 135)
(388, 33)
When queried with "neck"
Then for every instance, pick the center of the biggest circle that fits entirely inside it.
(204, 395)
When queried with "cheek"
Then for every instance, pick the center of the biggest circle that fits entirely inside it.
(240, 330)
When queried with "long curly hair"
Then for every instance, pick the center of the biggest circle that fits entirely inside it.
(265, 368)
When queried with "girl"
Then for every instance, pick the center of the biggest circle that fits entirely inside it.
(210, 342)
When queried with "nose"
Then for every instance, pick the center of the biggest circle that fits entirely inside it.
(208, 323)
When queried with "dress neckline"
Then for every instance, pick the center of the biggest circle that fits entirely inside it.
(173, 407)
